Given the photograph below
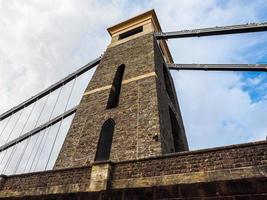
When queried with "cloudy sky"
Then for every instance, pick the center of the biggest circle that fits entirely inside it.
(43, 41)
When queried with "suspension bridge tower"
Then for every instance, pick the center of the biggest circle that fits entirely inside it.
(127, 139)
(129, 109)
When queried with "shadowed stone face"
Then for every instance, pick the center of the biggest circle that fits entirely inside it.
(2, 181)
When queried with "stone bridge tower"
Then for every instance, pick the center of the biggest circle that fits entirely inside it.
(130, 109)
(127, 139)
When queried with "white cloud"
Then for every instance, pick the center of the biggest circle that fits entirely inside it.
(217, 111)
(46, 41)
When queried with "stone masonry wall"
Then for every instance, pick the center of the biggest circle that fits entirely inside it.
(58, 181)
(237, 170)
(221, 158)
(67, 177)
(142, 120)
(242, 189)
(136, 117)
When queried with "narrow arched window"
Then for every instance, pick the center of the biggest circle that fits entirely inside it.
(175, 130)
(105, 140)
(168, 84)
(114, 95)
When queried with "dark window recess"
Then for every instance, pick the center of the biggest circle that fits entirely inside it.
(105, 141)
(114, 95)
(168, 84)
(131, 32)
(175, 131)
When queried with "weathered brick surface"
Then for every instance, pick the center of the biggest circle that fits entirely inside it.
(142, 118)
(243, 189)
(231, 157)
(21, 183)
(81, 143)
(229, 178)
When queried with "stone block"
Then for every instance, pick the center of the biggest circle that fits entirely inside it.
(100, 176)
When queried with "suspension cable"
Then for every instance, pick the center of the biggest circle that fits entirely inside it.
(27, 142)
(5, 125)
(223, 30)
(41, 146)
(60, 123)
(49, 119)
(46, 133)
(38, 134)
(52, 88)
(14, 126)
(14, 148)
(11, 134)
(12, 155)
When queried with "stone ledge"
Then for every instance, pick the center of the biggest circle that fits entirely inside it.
(72, 188)
(252, 188)
(189, 178)
(41, 183)
(47, 171)
(148, 182)
(214, 149)
(100, 176)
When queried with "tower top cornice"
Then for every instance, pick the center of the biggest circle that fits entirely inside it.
(137, 26)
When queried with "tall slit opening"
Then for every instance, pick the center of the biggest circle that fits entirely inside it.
(105, 141)
(114, 95)
(168, 84)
